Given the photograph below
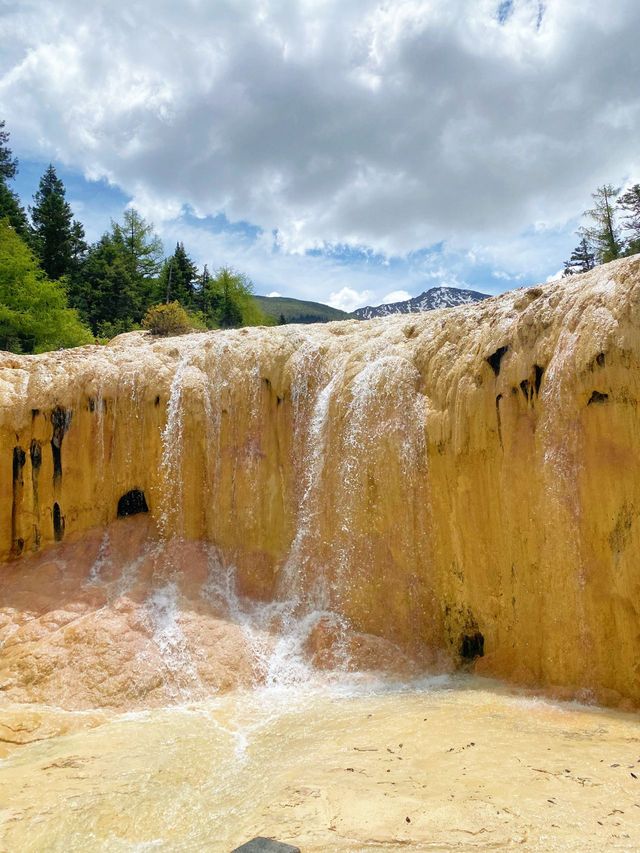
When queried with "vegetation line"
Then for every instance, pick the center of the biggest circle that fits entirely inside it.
(58, 291)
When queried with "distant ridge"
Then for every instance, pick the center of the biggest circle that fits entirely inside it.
(299, 310)
(435, 297)
(303, 311)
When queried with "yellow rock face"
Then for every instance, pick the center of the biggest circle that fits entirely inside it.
(456, 482)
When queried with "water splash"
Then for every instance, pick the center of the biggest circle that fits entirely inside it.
(171, 465)
(163, 614)
(277, 632)
(103, 560)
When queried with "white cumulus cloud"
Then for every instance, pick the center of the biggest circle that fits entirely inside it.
(348, 299)
(395, 296)
(389, 126)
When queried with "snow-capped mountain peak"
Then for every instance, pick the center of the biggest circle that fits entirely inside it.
(435, 297)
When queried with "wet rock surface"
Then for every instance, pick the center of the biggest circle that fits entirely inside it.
(470, 473)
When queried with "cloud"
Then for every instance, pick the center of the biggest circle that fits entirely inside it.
(349, 299)
(274, 293)
(389, 127)
(395, 296)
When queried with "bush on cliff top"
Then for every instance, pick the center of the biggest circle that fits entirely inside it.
(169, 319)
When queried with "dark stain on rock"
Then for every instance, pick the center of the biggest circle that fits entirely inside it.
(471, 646)
(35, 452)
(538, 374)
(61, 420)
(58, 523)
(495, 358)
(19, 458)
(132, 503)
(597, 397)
(621, 534)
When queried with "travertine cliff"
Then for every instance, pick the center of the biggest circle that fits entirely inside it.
(464, 481)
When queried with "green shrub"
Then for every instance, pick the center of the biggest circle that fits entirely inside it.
(166, 320)
(197, 321)
(109, 329)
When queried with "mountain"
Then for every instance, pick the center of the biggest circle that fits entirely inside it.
(435, 297)
(302, 311)
(299, 310)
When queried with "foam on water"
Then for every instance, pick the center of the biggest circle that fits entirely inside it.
(102, 560)
(163, 613)
(276, 631)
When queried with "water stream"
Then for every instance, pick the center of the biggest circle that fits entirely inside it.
(453, 763)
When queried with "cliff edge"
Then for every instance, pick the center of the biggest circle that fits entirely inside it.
(463, 482)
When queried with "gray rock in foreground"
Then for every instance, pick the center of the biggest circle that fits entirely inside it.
(265, 845)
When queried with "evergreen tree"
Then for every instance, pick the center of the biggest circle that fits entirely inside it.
(202, 289)
(8, 163)
(14, 212)
(582, 259)
(629, 203)
(79, 245)
(178, 278)
(10, 207)
(114, 284)
(142, 245)
(34, 316)
(603, 233)
(55, 233)
(229, 301)
(105, 289)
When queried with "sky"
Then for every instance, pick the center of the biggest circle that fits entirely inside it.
(345, 151)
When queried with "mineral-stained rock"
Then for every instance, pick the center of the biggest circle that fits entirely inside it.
(467, 473)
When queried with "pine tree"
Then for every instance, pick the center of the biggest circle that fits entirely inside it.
(178, 278)
(53, 226)
(10, 207)
(604, 233)
(143, 247)
(629, 202)
(582, 259)
(8, 163)
(105, 289)
(202, 286)
(115, 283)
(14, 212)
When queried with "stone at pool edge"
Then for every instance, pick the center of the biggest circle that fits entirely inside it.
(265, 845)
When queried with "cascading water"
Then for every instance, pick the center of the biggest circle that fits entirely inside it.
(256, 543)
(303, 623)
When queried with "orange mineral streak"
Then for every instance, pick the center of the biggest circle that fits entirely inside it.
(415, 481)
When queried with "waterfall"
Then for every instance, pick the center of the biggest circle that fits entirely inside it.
(450, 489)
